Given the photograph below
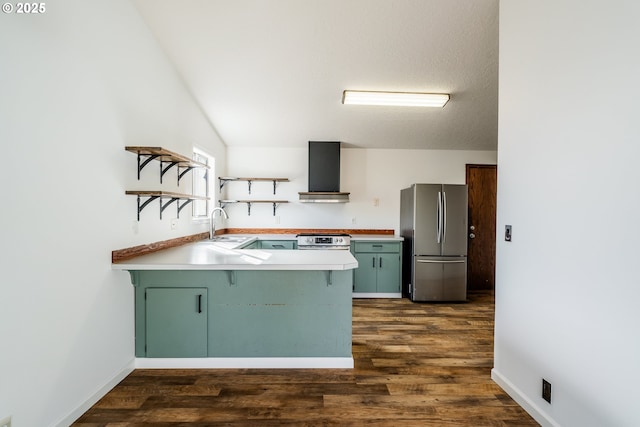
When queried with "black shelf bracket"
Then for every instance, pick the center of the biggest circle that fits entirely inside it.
(166, 199)
(167, 160)
(181, 174)
(166, 205)
(274, 203)
(142, 163)
(184, 205)
(222, 182)
(144, 204)
(164, 170)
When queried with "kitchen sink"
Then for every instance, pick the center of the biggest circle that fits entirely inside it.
(231, 239)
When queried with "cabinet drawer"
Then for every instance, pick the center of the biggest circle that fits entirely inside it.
(377, 246)
(277, 244)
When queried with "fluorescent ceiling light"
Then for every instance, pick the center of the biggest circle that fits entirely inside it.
(405, 99)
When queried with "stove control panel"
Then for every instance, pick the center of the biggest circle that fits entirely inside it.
(323, 241)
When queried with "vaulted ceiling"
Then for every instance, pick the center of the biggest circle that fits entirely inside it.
(272, 72)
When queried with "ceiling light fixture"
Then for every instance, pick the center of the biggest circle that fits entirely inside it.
(404, 99)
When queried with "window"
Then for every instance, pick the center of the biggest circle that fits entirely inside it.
(202, 179)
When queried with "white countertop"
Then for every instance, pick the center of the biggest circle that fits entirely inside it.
(223, 255)
(354, 237)
(376, 237)
(207, 255)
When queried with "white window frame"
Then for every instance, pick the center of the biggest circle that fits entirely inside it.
(197, 174)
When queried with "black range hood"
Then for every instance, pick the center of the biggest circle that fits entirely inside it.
(324, 174)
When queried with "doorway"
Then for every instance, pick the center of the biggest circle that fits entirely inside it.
(481, 253)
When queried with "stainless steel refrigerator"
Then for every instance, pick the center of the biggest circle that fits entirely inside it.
(433, 222)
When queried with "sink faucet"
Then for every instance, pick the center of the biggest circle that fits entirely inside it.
(212, 224)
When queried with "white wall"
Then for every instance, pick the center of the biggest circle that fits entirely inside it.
(567, 287)
(79, 82)
(368, 174)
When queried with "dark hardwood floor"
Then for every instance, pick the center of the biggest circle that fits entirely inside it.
(415, 365)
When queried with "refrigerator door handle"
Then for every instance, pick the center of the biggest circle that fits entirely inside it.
(433, 261)
(439, 219)
(444, 216)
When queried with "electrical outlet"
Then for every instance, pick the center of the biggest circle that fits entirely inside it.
(353, 220)
(174, 224)
(277, 218)
(5, 422)
(546, 390)
(376, 202)
(507, 233)
(135, 227)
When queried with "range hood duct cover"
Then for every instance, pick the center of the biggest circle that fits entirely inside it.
(324, 174)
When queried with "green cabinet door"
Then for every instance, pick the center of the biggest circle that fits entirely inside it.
(176, 322)
(378, 267)
(388, 273)
(365, 276)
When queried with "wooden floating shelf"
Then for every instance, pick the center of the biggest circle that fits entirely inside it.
(167, 159)
(275, 203)
(173, 197)
(224, 179)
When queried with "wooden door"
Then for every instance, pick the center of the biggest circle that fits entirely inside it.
(481, 261)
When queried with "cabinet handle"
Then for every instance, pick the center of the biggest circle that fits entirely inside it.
(200, 303)
(380, 262)
(373, 262)
(376, 246)
(279, 246)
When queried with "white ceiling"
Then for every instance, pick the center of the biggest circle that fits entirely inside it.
(271, 72)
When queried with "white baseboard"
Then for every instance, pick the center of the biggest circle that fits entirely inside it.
(97, 395)
(245, 363)
(376, 295)
(521, 399)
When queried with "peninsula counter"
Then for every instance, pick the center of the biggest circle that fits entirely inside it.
(209, 305)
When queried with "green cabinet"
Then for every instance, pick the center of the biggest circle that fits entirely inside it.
(242, 313)
(378, 267)
(271, 244)
(277, 244)
(176, 322)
